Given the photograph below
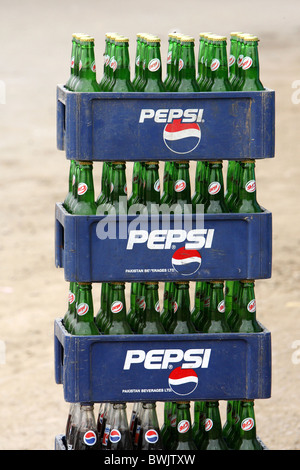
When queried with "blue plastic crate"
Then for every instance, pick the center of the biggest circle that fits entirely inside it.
(166, 126)
(130, 368)
(233, 246)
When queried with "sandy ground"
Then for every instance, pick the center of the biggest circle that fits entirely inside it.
(35, 42)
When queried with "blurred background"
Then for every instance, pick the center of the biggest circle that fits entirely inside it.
(35, 38)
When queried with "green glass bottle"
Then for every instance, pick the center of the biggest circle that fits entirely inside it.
(168, 315)
(105, 62)
(121, 67)
(182, 323)
(182, 187)
(87, 67)
(132, 312)
(199, 435)
(71, 311)
(68, 199)
(170, 60)
(74, 76)
(73, 52)
(213, 429)
(246, 317)
(118, 324)
(137, 60)
(246, 201)
(228, 424)
(135, 194)
(111, 62)
(216, 321)
(232, 197)
(152, 184)
(151, 322)
(219, 66)
(196, 423)
(197, 315)
(232, 315)
(186, 67)
(247, 439)
(203, 313)
(184, 428)
(153, 80)
(103, 196)
(234, 430)
(249, 80)
(230, 180)
(199, 196)
(228, 297)
(73, 199)
(205, 69)
(139, 81)
(85, 324)
(201, 58)
(118, 187)
(85, 204)
(233, 57)
(101, 318)
(167, 196)
(165, 430)
(215, 202)
(141, 306)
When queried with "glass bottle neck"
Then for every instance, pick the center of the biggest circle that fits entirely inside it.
(183, 422)
(213, 426)
(85, 308)
(217, 303)
(152, 309)
(117, 302)
(186, 66)
(85, 184)
(152, 185)
(87, 66)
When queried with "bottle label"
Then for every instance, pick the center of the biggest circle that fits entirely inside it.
(214, 188)
(71, 297)
(111, 187)
(247, 63)
(125, 188)
(183, 426)
(157, 186)
(169, 57)
(116, 306)
(106, 60)
(240, 60)
(173, 421)
(181, 64)
(93, 67)
(154, 65)
(157, 306)
(80, 65)
(208, 424)
(113, 64)
(247, 424)
(250, 186)
(137, 434)
(151, 436)
(72, 62)
(207, 302)
(175, 306)
(251, 307)
(82, 309)
(180, 186)
(231, 60)
(215, 64)
(137, 61)
(90, 438)
(114, 436)
(73, 180)
(221, 306)
(82, 189)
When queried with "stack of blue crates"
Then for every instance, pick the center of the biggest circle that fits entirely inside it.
(134, 127)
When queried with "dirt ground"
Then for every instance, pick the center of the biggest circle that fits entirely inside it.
(35, 39)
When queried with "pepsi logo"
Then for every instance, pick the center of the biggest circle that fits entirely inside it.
(116, 306)
(208, 424)
(114, 436)
(183, 426)
(186, 262)
(215, 64)
(90, 438)
(71, 297)
(247, 62)
(151, 436)
(231, 60)
(247, 424)
(82, 309)
(82, 189)
(113, 64)
(221, 306)
(157, 186)
(181, 137)
(180, 186)
(214, 188)
(251, 307)
(180, 64)
(183, 381)
(250, 186)
(154, 65)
